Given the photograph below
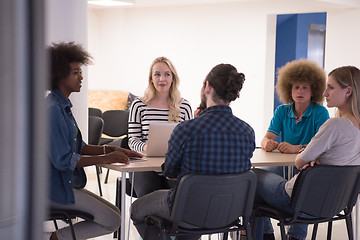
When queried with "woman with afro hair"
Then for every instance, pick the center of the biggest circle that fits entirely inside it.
(69, 154)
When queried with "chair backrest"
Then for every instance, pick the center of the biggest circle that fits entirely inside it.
(95, 112)
(324, 191)
(95, 129)
(115, 122)
(213, 201)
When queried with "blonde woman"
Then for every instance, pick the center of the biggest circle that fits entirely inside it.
(161, 103)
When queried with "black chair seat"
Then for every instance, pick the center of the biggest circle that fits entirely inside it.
(67, 215)
(206, 204)
(324, 193)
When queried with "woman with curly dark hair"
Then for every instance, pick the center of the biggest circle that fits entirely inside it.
(69, 154)
(300, 87)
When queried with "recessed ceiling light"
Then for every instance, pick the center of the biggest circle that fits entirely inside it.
(111, 3)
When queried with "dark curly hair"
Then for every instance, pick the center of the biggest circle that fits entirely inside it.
(304, 71)
(61, 55)
(226, 81)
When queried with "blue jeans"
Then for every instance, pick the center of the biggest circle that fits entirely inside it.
(271, 190)
(281, 171)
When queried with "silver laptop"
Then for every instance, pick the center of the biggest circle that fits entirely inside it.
(158, 137)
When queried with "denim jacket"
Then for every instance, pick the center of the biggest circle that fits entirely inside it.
(65, 147)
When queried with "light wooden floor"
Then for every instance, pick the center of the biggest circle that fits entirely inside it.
(338, 233)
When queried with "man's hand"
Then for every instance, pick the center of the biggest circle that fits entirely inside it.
(285, 147)
(269, 145)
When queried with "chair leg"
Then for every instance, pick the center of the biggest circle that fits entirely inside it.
(72, 229)
(55, 224)
(225, 237)
(163, 234)
(282, 231)
(315, 228)
(117, 202)
(98, 179)
(329, 230)
(107, 176)
(349, 227)
(254, 226)
(248, 232)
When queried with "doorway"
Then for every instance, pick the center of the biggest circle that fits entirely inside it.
(299, 36)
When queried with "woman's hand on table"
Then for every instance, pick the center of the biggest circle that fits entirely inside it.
(116, 157)
(127, 152)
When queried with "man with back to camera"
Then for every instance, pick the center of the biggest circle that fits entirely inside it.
(215, 142)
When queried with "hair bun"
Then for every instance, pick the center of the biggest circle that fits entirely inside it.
(226, 81)
(234, 85)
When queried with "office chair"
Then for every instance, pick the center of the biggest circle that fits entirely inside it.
(325, 193)
(67, 215)
(95, 129)
(115, 126)
(95, 112)
(206, 204)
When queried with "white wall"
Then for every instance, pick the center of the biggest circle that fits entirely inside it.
(131, 39)
(342, 40)
(196, 38)
(66, 21)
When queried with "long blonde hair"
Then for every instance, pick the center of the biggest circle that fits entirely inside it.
(349, 76)
(174, 93)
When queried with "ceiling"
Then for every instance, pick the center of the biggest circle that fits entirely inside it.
(318, 3)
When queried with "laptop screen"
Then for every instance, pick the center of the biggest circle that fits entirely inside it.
(159, 135)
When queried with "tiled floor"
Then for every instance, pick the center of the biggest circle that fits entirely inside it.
(338, 233)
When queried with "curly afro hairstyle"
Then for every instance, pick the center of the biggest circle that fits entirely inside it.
(61, 55)
(303, 71)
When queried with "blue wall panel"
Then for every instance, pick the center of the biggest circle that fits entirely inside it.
(292, 39)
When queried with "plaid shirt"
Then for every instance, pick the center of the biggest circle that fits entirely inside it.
(215, 142)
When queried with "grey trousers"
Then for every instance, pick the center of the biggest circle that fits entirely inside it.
(154, 203)
(106, 216)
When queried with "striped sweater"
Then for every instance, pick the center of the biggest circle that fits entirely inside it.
(141, 115)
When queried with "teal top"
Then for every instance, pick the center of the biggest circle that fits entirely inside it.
(297, 131)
